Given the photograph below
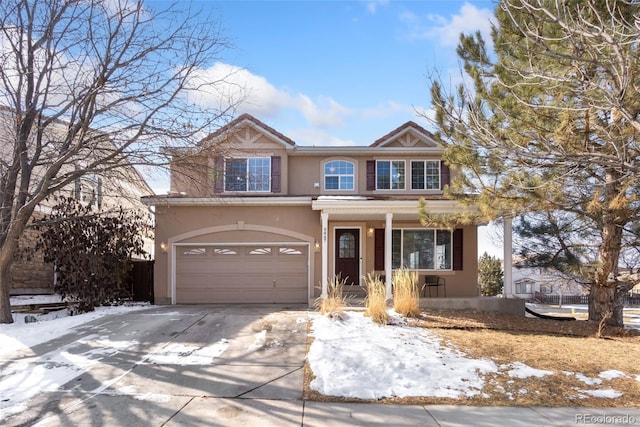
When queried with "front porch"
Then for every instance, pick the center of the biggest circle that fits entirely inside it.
(363, 235)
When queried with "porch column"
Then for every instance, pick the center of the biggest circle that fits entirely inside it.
(325, 253)
(387, 253)
(508, 257)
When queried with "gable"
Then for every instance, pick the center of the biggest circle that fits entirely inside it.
(409, 134)
(246, 133)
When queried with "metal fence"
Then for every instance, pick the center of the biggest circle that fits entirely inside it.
(633, 299)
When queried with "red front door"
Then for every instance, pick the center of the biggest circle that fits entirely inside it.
(347, 255)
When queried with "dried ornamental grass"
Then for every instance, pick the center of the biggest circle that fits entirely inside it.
(334, 303)
(376, 301)
(406, 294)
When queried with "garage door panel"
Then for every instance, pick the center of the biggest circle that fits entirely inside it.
(223, 296)
(242, 274)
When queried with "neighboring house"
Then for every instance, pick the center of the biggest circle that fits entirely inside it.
(122, 187)
(529, 281)
(254, 218)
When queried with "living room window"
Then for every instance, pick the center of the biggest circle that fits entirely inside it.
(390, 174)
(339, 175)
(421, 249)
(250, 174)
(425, 175)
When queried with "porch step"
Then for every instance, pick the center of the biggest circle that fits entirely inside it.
(354, 290)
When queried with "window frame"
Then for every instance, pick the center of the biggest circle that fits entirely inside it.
(528, 286)
(342, 177)
(390, 175)
(89, 190)
(398, 256)
(425, 177)
(251, 179)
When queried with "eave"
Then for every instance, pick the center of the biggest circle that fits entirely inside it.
(365, 151)
(226, 201)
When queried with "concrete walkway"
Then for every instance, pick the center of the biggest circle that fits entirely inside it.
(252, 375)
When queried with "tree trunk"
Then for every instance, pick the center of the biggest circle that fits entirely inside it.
(602, 301)
(7, 253)
(5, 302)
(604, 297)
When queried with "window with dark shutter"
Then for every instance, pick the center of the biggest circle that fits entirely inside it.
(457, 249)
(275, 174)
(371, 175)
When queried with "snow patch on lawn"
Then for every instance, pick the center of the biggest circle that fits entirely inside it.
(606, 393)
(612, 374)
(520, 370)
(358, 358)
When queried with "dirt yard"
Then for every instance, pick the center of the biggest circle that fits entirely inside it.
(568, 348)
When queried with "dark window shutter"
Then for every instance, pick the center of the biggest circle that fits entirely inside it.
(445, 175)
(378, 245)
(77, 189)
(99, 195)
(371, 175)
(275, 174)
(457, 249)
(218, 173)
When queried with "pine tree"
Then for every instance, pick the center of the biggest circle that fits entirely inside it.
(490, 275)
(550, 124)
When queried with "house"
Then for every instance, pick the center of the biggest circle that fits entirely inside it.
(531, 281)
(120, 187)
(252, 217)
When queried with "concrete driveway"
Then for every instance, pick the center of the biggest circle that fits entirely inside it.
(218, 366)
(175, 365)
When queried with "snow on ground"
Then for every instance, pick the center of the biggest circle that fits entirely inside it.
(24, 335)
(22, 379)
(631, 315)
(355, 357)
(358, 358)
(352, 357)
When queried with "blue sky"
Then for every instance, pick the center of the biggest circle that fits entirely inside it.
(340, 72)
(330, 73)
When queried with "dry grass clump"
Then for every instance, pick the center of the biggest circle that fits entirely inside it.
(334, 303)
(406, 294)
(376, 301)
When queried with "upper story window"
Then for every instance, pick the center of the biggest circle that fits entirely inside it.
(339, 175)
(390, 175)
(425, 175)
(89, 191)
(250, 174)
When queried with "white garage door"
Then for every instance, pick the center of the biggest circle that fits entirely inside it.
(273, 273)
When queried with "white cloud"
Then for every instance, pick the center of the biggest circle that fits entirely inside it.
(390, 108)
(425, 117)
(317, 137)
(469, 19)
(372, 5)
(223, 85)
